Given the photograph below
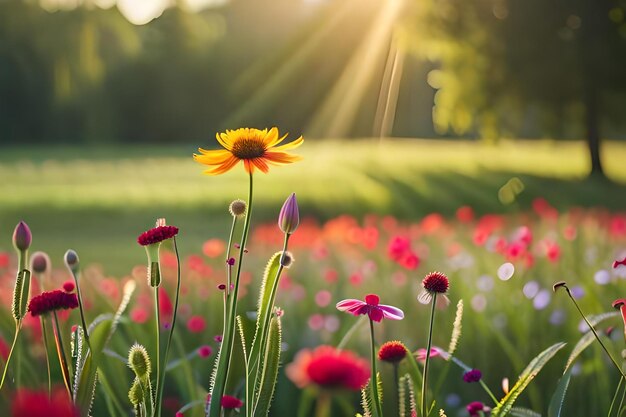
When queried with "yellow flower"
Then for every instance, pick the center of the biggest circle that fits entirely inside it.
(256, 148)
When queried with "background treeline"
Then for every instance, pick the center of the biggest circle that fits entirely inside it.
(87, 75)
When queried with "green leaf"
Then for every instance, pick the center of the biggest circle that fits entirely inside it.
(523, 412)
(555, 408)
(85, 384)
(270, 365)
(587, 339)
(267, 295)
(533, 368)
(100, 331)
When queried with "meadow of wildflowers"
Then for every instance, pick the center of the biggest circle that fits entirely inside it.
(475, 315)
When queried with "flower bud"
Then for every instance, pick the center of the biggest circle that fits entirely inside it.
(71, 260)
(40, 262)
(22, 237)
(139, 361)
(289, 216)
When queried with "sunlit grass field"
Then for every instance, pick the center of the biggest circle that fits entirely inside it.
(97, 200)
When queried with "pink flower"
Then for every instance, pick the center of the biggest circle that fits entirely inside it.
(420, 355)
(68, 286)
(475, 407)
(205, 351)
(375, 311)
(196, 324)
(27, 403)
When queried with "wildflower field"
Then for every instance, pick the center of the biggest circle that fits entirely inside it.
(347, 267)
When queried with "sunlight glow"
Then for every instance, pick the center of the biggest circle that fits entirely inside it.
(341, 106)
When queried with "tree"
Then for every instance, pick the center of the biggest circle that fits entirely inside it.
(526, 67)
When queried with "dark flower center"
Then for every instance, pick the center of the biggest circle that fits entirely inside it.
(248, 148)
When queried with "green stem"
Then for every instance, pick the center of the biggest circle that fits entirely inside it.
(322, 408)
(229, 268)
(61, 352)
(374, 379)
(488, 391)
(45, 344)
(157, 405)
(619, 369)
(6, 365)
(161, 381)
(396, 384)
(82, 311)
(427, 361)
(262, 341)
(619, 385)
(226, 348)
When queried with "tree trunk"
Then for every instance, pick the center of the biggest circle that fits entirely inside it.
(592, 129)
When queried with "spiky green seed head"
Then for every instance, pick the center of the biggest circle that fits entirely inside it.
(135, 394)
(139, 361)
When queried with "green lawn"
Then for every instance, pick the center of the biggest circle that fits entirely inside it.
(96, 200)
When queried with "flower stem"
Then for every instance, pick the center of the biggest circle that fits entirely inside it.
(617, 390)
(619, 369)
(322, 408)
(81, 309)
(61, 352)
(374, 379)
(161, 375)
(45, 344)
(226, 348)
(157, 405)
(488, 391)
(6, 365)
(229, 268)
(427, 361)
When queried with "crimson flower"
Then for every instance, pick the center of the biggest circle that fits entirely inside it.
(473, 375)
(52, 301)
(370, 306)
(157, 235)
(29, 403)
(228, 402)
(475, 407)
(328, 367)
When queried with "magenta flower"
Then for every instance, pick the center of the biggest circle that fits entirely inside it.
(473, 375)
(618, 263)
(375, 311)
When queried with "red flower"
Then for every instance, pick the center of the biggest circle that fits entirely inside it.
(157, 235)
(229, 402)
(328, 367)
(393, 351)
(68, 286)
(51, 301)
(375, 311)
(29, 403)
(620, 304)
(436, 282)
(465, 214)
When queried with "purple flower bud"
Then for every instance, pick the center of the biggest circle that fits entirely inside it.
(289, 216)
(22, 237)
